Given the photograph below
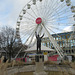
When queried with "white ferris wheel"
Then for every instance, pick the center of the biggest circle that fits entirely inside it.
(44, 16)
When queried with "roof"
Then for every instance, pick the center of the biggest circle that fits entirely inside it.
(34, 49)
(64, 33)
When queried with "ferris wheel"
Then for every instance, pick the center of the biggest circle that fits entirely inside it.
(44, 16)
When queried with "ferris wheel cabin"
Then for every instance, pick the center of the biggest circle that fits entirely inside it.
(68, 2)
(73, 9)
(74, 17)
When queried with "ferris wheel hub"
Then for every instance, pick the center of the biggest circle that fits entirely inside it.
(38, 20)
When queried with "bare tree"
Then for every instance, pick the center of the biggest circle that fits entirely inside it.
(8, 42)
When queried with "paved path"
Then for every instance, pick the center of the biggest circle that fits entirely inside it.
(31, 68)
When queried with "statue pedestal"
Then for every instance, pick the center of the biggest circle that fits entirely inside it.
(39, 58)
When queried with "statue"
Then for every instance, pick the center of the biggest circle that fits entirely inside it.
(38, 42)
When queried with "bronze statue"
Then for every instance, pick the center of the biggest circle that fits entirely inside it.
(38, 42)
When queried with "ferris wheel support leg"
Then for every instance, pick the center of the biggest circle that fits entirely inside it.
(54, 43)
(25, 43)
(31, 34)
(18, 53)
(31, 39)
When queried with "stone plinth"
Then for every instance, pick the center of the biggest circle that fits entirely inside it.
(40, 73)
(39, 58)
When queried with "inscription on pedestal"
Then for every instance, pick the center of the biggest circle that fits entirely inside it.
(39, 57)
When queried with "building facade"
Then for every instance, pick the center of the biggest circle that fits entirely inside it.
(64, 41)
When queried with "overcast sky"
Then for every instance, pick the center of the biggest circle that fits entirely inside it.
(10, 9)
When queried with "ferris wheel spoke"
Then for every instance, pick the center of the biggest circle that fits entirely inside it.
(55, 33)
(61, 24)
(51, 27)
(27, 21)
(32, 33)
(44, 8)
(28, 18)
(62, 9)
(51, 7)
(51, 30)
(27, 25)
(27, 29)
(24, 37)
(40, 8)
(24, 30)
(60, 19)
(31, 15)
(53, 4)
(34, 12)
(37, 9)
(31, 39)
(54, 10)
(63, 16)
(59, 7)
(60, 13)
(26, 34)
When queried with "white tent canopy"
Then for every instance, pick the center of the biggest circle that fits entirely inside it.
(34, 49)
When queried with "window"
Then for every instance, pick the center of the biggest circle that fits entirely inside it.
(56, 38)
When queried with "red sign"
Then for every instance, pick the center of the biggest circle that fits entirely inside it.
(38, 20)
(53, 58)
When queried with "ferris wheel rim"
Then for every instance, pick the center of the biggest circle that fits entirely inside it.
(46, 16)
(35, 15)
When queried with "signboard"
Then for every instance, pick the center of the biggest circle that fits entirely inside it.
(53, 58)
(38, 20)
(45, 53)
